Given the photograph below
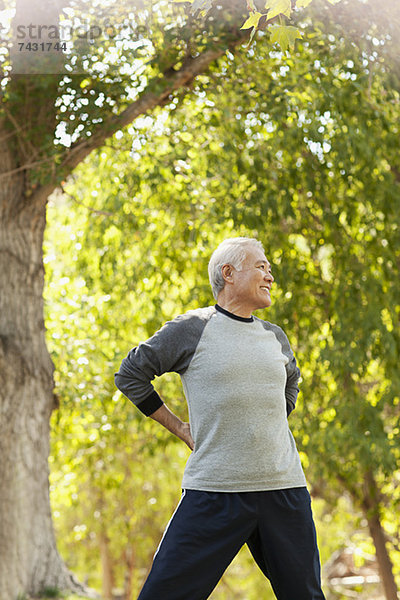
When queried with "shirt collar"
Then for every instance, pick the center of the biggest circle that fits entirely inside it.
(233, 316)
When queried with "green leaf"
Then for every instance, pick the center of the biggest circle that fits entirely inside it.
(278, 7)
(285, 36)
(252, 21)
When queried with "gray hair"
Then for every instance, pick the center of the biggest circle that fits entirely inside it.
(231, 251)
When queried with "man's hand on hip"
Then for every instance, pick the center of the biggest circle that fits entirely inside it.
(171, 422)
(186, 435)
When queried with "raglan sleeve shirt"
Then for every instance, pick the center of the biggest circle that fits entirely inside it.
(170, 349)
(240, 381)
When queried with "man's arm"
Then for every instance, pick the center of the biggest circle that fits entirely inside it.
(292, 388)
(171, 422)
(171, 348)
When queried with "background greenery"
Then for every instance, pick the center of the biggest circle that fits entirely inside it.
(302, 152)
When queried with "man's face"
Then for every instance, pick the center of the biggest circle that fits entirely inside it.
(253, 282)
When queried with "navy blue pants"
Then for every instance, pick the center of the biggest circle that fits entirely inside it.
(208, 529)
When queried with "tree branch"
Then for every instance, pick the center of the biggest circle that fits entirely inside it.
(95, 211)
(148, 101)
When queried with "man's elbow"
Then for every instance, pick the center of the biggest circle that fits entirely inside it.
(120, 383)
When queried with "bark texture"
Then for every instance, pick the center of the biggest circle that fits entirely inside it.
(29, 558)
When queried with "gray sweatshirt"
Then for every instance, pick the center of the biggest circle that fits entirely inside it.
(240, 378)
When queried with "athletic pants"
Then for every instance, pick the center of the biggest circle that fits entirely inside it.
(208, 529)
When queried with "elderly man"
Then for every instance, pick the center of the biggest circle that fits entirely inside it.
(243, 482)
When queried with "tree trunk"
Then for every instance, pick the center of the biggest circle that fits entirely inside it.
(29, 558)
(129, 568)
(371, 503)
(107, 567)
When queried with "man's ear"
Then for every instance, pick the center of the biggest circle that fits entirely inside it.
(227, 273)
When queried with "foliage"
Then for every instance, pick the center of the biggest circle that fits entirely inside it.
(304, 155)
(284, 35)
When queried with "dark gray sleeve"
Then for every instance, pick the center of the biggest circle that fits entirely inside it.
(169, 349)
(292, 372)
(292, 389)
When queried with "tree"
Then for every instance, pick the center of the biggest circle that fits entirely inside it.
(50, 123)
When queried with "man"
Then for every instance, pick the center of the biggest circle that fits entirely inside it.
(243, 482)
